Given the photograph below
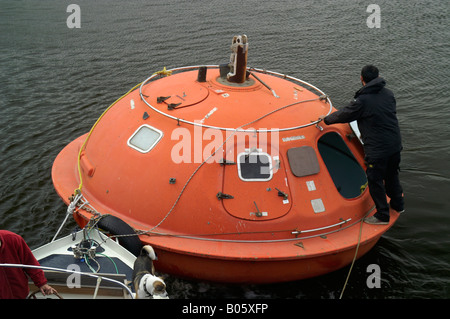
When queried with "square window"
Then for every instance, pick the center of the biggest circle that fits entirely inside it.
(145, 138)
(254, 166)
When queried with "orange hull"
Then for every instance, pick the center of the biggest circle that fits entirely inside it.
(297, 216)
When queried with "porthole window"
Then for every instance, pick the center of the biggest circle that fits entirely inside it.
(254, 165)
(145, 138)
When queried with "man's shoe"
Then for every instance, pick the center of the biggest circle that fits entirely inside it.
(374, 221)
(397, 209)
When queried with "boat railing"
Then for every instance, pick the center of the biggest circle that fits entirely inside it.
(322, 96)
(99, 277)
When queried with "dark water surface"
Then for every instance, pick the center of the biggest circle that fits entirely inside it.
(56, 81)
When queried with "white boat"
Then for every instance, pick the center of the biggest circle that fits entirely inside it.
(86, 264)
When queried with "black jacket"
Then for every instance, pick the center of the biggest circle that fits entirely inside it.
(374, 108)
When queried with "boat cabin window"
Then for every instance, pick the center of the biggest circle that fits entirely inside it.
(348, 176)
(145, 138)
(254, 165)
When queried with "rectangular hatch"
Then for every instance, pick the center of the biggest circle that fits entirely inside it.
(256, 185)
(254, 166)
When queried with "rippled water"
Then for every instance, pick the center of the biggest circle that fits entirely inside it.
(56, 81)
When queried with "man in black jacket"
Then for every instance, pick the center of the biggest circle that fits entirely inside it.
(374, 108)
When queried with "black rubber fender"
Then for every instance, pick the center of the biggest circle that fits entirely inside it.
(116, 226)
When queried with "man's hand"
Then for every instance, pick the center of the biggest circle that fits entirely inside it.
(47, 289)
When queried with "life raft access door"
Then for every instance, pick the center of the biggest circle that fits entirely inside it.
(255, 186)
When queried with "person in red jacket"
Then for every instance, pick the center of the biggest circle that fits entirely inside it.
(14, 281)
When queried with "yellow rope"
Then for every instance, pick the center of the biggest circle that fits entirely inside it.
(363, 187)
(354, 258)
(164, 72)
(78, 190)
(356, 252)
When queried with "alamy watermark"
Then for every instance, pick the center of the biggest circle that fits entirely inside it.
(74, 279)
(374, 279)
(191, 148)
(374, 19)
(74, 19)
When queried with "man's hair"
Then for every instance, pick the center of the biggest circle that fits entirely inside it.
(369, 72)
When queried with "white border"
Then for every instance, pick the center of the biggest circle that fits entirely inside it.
(152, 146)
(258, 152)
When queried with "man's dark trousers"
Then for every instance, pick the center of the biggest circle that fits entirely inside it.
(383, 179)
